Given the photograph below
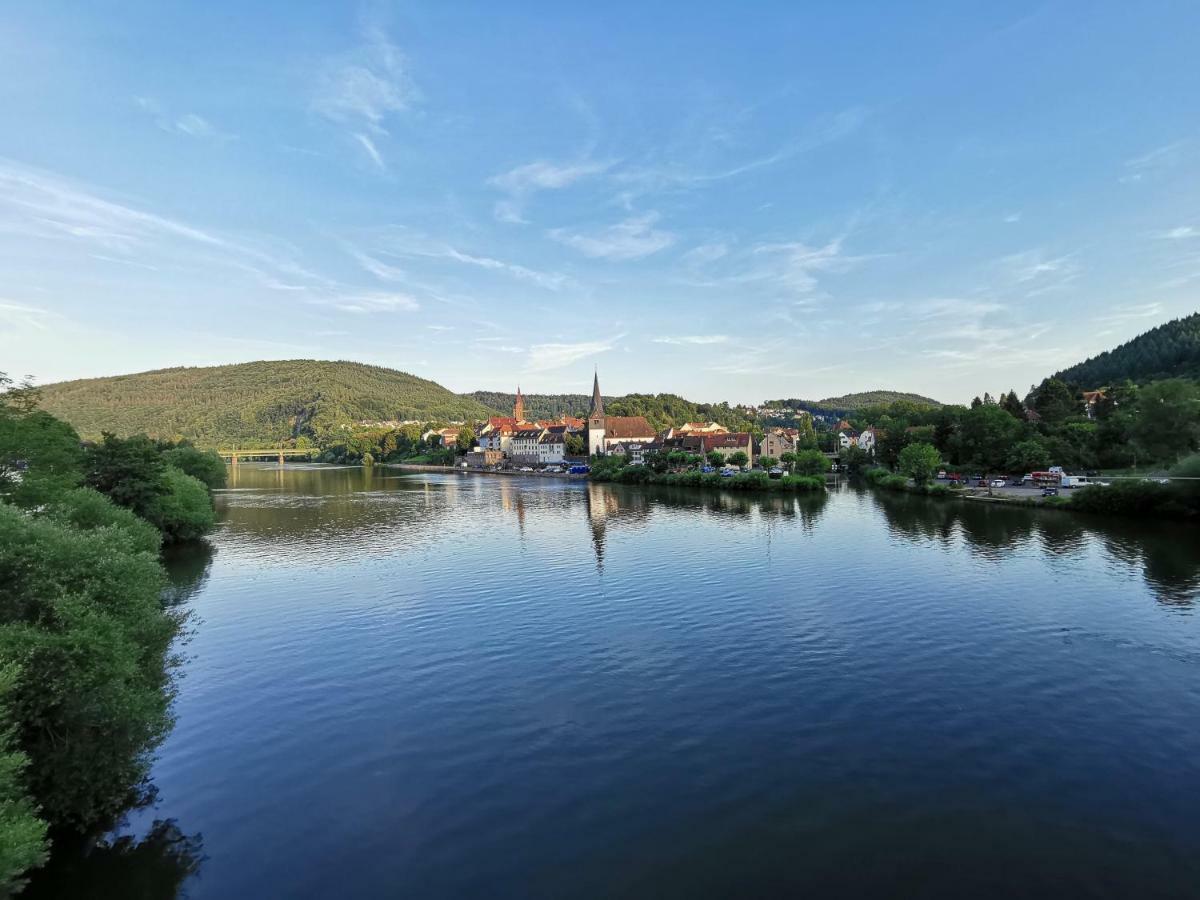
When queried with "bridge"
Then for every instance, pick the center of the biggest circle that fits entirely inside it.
(232, 456)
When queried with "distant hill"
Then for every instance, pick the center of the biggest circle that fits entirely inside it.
(255, 402)
(848, 402)
(875, 398)
(537, 406)
(1168, 351)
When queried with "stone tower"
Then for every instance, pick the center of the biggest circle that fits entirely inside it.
(519, 406)
(595, 424)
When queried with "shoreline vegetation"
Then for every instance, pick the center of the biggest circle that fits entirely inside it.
(88, 648)
(1179, 498)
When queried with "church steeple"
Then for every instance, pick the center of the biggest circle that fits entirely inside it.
(519, 406)
(597, 410)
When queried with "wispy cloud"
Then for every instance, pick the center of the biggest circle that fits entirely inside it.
(546, 357)
(540, 175)
(1037, 273)
(188, 124)
(1132, 313)
(706, 253)
(363, 88)
(1183, 232)
(403, 244)
(695, 339)
(371, 302)
(633, 238)
(367, 144)
(1139, 167)
(18, 315)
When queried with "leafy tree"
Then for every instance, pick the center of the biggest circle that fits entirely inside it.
(205, 465)
(1012, 405)
(574, 444)
(1185, 480)
(984, 436)
(715, 458)
(789, 460)
(1028, 456)
(129, 471)
(811, 462)
(39, 456)
(23, 843)
(1168, 419)
(1055, 401)
(855, 459)
(184, 510)
(767, 461)
(920, 462)
(739, 458)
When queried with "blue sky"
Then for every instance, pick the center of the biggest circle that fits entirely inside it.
(727, 201)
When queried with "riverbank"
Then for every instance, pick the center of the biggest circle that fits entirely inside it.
(742, 481)
(453, 470)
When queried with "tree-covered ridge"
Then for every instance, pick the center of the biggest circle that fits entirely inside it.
(1171, 350)
(661, 410)
(257, 402)
(839, 406)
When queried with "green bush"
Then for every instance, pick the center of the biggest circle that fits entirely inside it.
(184, 511)
(205, 465)
(1127, 497)
(80, 613)
(86, 509)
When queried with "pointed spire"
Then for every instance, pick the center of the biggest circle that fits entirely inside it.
(519, 406)
(597, 410)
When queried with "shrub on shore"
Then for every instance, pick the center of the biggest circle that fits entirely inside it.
(742, 481)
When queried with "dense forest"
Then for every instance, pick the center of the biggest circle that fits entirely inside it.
(257, 402)
(840, 406)
(1169, 351)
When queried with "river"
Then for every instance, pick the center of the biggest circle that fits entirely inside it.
(435, 686)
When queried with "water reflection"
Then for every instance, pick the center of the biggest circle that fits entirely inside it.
(1164, 553)
(153, 867)
(188, 567)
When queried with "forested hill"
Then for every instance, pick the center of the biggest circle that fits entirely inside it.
(537, 406)
(256, 402)
(660, 410)
(1168, 351)
(848, 402)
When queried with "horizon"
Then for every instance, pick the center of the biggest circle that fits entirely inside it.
(936, 202)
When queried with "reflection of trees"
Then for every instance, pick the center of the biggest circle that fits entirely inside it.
(612, 505)
(187, 568)
(1162, 551)
(152, 868)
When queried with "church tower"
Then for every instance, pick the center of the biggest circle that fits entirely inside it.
(519, 406)
(595, 424)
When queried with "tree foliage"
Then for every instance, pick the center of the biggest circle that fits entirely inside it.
(1170, 350)
(920, 462)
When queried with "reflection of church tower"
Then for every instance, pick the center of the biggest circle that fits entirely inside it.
(519, 406)
(595, 425)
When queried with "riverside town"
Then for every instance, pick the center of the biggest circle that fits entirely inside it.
(681, 451)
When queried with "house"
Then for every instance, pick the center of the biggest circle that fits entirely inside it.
(1090, 399)
(497, 433)
(448, 436)
(635, 451)
(480, 458)
(552, 445)
(701, 428)
(523, 447)
(729, 444)
(778, 441)
(866, 440)
(847, 437)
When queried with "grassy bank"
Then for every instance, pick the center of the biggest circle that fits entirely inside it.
(743, 481)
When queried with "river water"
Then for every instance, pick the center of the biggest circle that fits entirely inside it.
(438, 686)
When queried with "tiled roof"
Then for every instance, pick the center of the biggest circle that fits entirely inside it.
(619, 427)
(736, 440)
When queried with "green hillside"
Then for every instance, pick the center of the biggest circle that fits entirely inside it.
(1168, 351)
(537, 406)
(256, 402)
(875, 398)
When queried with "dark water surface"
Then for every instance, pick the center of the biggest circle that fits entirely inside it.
(464, 686)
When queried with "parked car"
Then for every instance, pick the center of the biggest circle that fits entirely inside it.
(1050, 492)
(942, 473)
(727, 473)
(775, 472)
(579, 470)
(707, 469)
(982, 482)
(998, 482)
(525, 469)
(552, 470)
